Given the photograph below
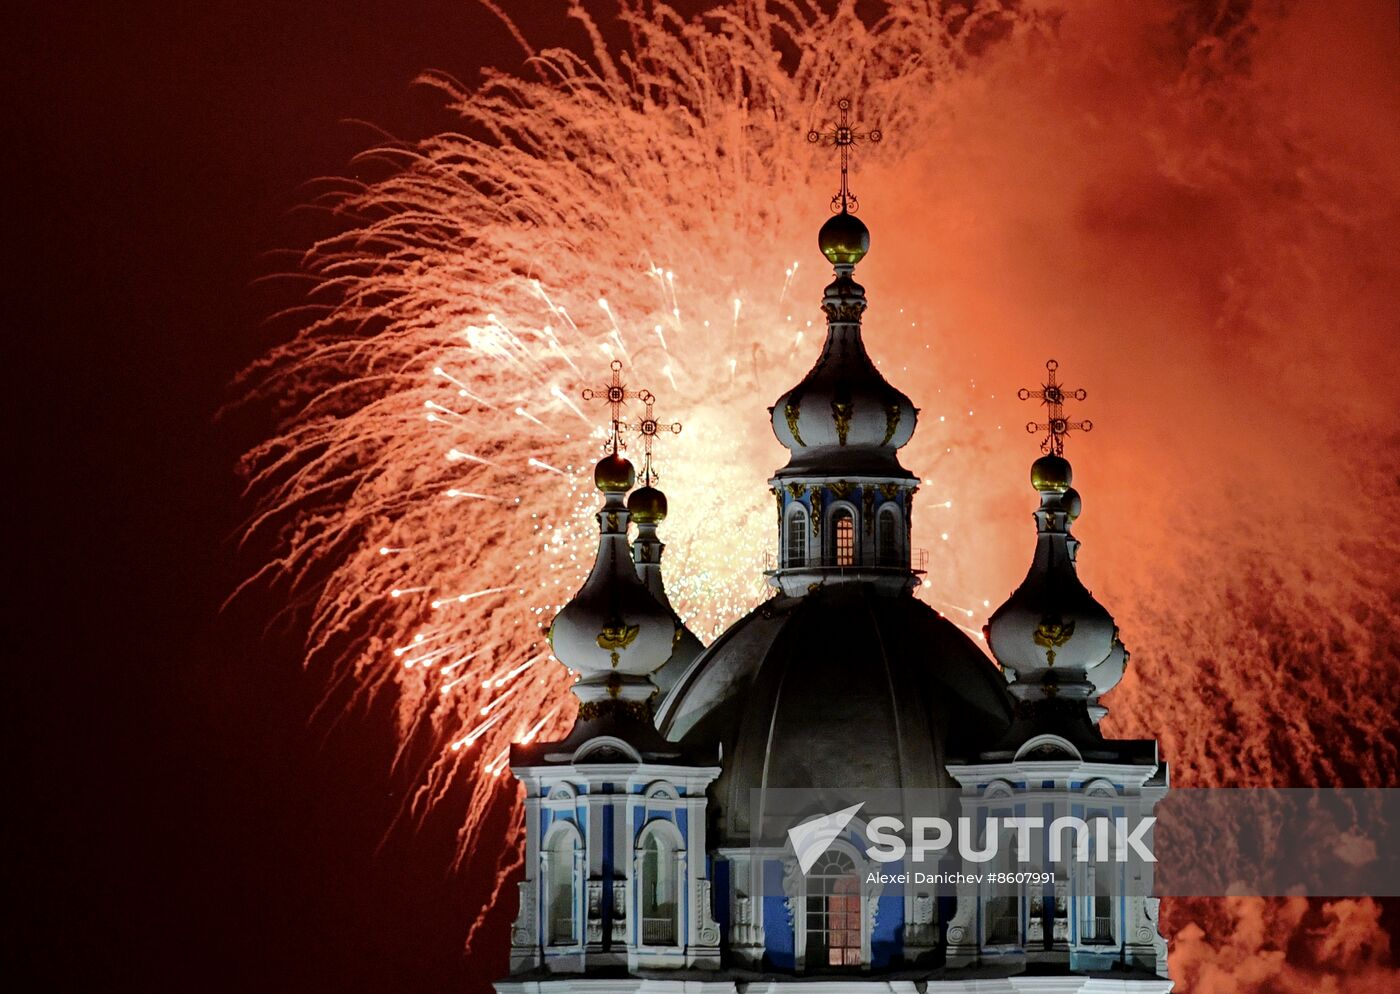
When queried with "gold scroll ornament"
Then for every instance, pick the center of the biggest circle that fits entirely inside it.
(891, 422)
(841, 412)
(791, 411)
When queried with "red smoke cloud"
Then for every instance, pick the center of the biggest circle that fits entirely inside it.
(1193, 207)
(1285, 947)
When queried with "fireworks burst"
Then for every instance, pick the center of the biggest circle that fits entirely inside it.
(430, 488)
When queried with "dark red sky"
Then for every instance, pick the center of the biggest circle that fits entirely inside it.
(182, 824)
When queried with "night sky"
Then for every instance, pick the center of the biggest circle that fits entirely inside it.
(183, 821)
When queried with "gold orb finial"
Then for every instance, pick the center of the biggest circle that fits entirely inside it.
(844, 239)
(1051, 473)
(648, 505)
(614, 474)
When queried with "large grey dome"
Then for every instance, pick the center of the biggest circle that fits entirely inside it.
(845, 687)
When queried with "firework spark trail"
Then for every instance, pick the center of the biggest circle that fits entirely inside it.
(456, 309)
(671, 180)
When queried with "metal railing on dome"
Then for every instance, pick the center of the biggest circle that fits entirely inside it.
(917, 562)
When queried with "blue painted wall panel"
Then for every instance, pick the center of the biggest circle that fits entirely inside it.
(887, 938)
(777, 929)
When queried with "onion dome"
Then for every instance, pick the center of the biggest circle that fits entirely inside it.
(613, 634)
(1105, 676)
(687, 648)
(844, 416)
(648, 507)
(1051, 634)
(838, 688)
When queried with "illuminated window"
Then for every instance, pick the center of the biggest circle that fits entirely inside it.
(797, 538)
(833, 913)
(845, 538)
(659, 885)
(888, 544)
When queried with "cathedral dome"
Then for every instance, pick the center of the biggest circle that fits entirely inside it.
(844, 416)
(842, 688)
(648, 507)
(1051, 632)
(613, 633)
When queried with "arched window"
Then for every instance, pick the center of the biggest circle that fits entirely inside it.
(833, 912)
(1003, 908)
(887, 542)
(1096, 916)
(659, 890)
(797, 537)
(844, 531)
(561, 888)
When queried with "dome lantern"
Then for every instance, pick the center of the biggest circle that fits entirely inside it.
(844, 501)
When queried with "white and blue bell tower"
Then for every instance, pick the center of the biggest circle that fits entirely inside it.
(1060, 651)
(616, 867)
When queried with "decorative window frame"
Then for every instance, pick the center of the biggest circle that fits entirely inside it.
(605, 744)
(1100, 787)
(829, 557)
(999, 790)
(894, 556)
(1057, 743)
(1102, 795)
(793, 510)
(668, 828)
(1084, 880)
(661, 790)
(562, 794)
(795, 885)
(562, 827)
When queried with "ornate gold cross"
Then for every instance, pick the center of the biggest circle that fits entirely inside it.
(844, 137)
(649, 428)
(615, 394)
(1053, 396)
